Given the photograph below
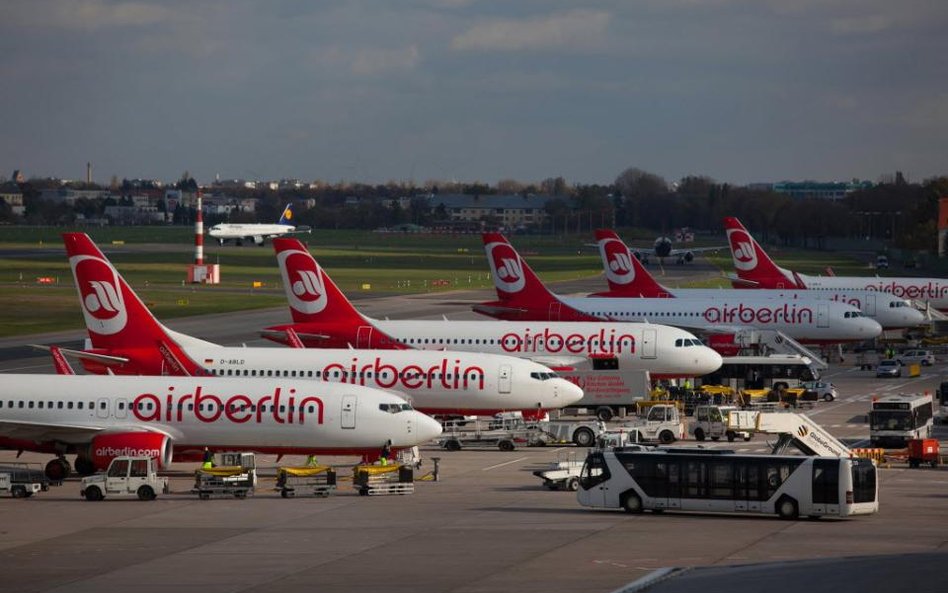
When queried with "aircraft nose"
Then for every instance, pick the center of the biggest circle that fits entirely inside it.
(424, 428)
(567, 393)
(708, 361)
(870, 328)
(913, 316)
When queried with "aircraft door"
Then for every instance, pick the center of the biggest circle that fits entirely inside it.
(649, 338)
(364, 336)
(348, 416)
(503, 379)
(102, 407)
(869, 304)
(822, 315)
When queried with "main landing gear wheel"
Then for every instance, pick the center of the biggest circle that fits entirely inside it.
(57, 470)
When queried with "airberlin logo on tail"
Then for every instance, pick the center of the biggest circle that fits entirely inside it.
(100, 294)
(505, 264)
(618, 261)
(304, 281)
(742, 248)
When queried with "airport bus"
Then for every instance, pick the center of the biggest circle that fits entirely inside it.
(719, 481)
(761, 372)
(894, 419)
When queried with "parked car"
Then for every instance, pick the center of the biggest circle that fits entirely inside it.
(889, 368)
(823, 390)
(923, 357)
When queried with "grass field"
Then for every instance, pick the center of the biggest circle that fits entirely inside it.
(154, 259)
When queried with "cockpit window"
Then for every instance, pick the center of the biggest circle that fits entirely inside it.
(395, 408)
(542, 376)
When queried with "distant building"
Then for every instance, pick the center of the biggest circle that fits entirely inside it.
(12, 196)
(69, 195)
(510, 210)
(833, 190)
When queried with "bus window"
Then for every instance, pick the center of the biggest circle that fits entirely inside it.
(696, 480)
(826, 481)
(722, 483)
(594, 472)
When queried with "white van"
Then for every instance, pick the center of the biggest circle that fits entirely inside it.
(711, 422)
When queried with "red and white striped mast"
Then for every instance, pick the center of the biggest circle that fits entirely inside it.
(199, 233)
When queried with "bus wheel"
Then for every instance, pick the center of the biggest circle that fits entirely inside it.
(699, 434)
(787, 508)
(583, 437)
(666, 437)
(631, 503)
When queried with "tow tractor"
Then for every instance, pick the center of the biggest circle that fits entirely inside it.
(235, 476)
(125, 477)
(21, 480)
(317, 480)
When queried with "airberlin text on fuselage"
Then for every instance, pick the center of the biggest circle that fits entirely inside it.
(238, 408)
(786, 314)
(929, 290)
(547, 341)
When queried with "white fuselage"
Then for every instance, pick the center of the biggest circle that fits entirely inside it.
(660, 349)
(433, 382)
(924, 290)
(811, 320)
(225, 231)
(253, 414)
(889, 311)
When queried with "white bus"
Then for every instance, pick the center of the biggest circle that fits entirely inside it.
(894, 419)
(761, 372)
(720, 481)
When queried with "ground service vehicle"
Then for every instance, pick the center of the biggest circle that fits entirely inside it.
(894, 419)
(125, 477)
(762, 372)
(711, 422)
(657, 423)
(824, 391)
(888, 368)
(21, 480)
(922, 357)
(724, 482)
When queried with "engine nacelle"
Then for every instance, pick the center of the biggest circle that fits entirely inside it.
(106, 447)
(689, 257)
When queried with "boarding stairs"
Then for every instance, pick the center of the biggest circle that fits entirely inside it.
(792, 429)
(769, 341)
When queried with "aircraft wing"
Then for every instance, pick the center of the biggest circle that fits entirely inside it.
(677, 252)
(94, 356)
(281, 335)
(299, 229)
(491, 309)
(69, 433)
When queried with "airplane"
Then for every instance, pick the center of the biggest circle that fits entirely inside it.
(174, 418)
(628, 278)
(258, 233)
(755, 269)
(324, 318)
(127, 339)
(523, 297)
(663, 247)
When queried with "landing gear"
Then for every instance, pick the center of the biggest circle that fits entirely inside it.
(84, 467)
(57, 470)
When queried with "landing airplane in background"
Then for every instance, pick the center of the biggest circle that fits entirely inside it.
(629, 279)
(174, 418)
(258, 233)
(128, 340)
(324, 318)
(663, 247)
(755, 269)
(523, 297)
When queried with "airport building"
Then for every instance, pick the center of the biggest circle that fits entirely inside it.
(511, 210)
(833, 190)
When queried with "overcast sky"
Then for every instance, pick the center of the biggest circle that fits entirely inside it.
(375, 90)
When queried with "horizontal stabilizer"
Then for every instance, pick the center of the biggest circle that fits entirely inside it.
(83, 354)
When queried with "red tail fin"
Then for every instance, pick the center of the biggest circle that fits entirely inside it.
(117, 320)
(520, 289)
(626, 275)
(323, 317)
(753, 263)
(313, 296)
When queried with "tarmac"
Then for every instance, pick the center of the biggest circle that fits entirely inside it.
(486, 525)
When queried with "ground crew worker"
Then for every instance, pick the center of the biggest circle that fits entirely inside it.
(386, 453)
(311, 460)
(208, 461)
(688, 384)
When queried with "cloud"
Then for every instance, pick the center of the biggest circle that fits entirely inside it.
(575, 29)
(371, 62)
(88, 14)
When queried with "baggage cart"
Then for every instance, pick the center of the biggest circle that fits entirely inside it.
(310, 480)
(375, 480)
